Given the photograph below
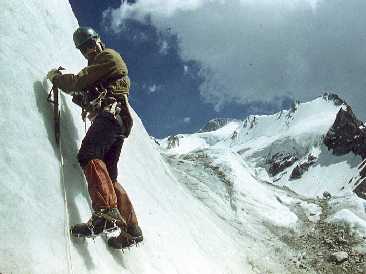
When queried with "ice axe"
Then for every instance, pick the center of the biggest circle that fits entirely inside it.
(53, 99)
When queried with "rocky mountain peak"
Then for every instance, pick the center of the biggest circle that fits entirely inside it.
(338, 101)
(347, 134)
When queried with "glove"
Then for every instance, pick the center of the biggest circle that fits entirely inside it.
(53, 73)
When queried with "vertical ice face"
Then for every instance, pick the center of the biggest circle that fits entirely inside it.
(35, 36)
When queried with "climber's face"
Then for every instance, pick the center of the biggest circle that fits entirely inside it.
(88, 49)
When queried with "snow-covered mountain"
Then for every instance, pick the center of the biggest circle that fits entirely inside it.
(286, 146)
(265, 173)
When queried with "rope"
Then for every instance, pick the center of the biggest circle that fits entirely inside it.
(66, 212)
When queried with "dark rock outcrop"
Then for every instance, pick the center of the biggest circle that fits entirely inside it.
(250, 122)
(347, 134)
(173, 141)
(280, 161)
(215, 124)
(300, 169)
(335, 98)
(360, 189)
(155, 141)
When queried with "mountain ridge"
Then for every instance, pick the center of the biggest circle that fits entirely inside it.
(274, 176)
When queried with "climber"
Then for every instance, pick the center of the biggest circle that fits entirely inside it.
(101, 89)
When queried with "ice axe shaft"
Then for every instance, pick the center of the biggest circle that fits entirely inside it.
(53, 98)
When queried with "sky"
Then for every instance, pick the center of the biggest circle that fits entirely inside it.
(194, 60)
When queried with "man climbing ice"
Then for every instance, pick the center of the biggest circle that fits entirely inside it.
(101, 89)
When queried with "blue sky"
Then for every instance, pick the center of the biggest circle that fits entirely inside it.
(194, 60)
(166, 88)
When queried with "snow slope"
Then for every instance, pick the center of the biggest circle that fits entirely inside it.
(181, 234)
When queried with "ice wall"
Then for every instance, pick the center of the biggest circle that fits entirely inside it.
(33, 39)
(181, 235)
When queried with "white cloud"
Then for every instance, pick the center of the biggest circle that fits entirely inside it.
(263, 49)
(187, 119)
(153, 88)
(186, 68)
(158, 8)
(169, 8)
(164, 47)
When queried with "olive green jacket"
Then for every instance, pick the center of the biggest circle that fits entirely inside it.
(108, 69)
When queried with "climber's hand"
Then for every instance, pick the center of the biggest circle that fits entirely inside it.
(53, 73)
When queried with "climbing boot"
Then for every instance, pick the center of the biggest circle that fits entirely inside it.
(103, 220)
(132, 236)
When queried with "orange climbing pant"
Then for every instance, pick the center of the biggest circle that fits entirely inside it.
(107, 194)
(100, 185)
(124, 205)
